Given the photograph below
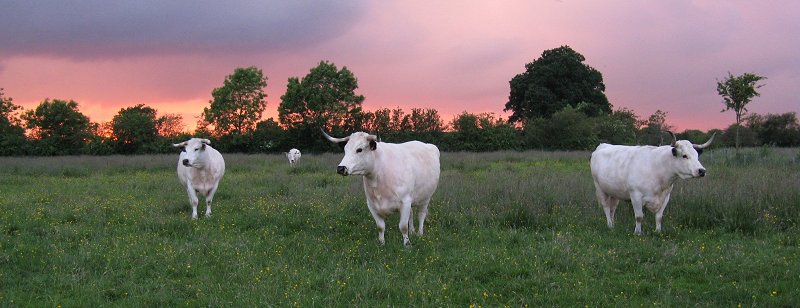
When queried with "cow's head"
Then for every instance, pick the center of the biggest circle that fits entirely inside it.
(359, 150)
(293, 155)
(686, 156)
(195, 149)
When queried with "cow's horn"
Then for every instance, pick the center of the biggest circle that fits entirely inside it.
(704, 145)
(334, 139)
(674, 139)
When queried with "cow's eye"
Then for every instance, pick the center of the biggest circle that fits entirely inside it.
(197, 149)
(359, 150)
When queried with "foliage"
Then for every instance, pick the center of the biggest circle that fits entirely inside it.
(325, 98)
(568, 129)
(12, 133)
(394, 125)
(618, 127)
(776, 129)
(481, 132)
(737, 92)
(654, 128)
(559, 78)
(133, 128)
(58, 127)
(238, 104)
(170, 125)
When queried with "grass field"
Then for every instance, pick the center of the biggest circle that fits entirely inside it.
(504, 229)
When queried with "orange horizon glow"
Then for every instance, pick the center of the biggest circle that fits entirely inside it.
(449, 56)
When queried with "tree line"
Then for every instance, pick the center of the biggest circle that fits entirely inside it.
(557, 103)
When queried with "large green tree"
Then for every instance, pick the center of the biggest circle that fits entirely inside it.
(325, 98)
(12, 134)
(134, 128)
(237, 105)
(557, 79)
(737, 92)
(58, 126)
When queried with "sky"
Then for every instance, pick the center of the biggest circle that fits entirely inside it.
(453, 56)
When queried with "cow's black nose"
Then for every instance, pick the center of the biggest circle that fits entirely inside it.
(341, 170)
(185, 162)
(702, 172)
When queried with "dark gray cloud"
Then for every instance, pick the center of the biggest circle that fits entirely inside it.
(111, 29)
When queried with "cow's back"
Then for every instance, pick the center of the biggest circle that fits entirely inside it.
(422, 163)
(619, 169)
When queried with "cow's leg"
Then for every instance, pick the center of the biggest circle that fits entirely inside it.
(405, 214)
(209, 199)
(192, 199)
(638, 201)
(423, 212)
(411, 221)
(660, 213)
(609, 206)
(379, 222)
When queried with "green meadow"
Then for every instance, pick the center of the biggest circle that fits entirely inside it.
(504, 229)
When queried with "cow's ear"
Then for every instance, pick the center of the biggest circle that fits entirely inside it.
(699, 151)
(342, 144)
(373, 145)
(674, 152)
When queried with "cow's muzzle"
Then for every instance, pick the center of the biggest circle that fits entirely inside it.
(341, 170)
(701, 172)
(186, 163)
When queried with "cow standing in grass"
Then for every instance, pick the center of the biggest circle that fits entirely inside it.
(294, 157)
(396, 177)
(644, 175)
(200, 168)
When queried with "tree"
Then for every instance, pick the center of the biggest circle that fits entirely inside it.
(481, 132)
(426, 121)
(170, 125)
(237, 105)
(737, 92)
(568, 129)
(58, 127)
(559, 78)
(776, 129)
(324, 98)
(133, 129)
(12, 134)
(653, 129)
(619, 127)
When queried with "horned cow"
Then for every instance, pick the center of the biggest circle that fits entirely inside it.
(396, 177)
(644, 175)
(200, 168)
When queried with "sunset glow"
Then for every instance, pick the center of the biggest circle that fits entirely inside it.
(453, 56)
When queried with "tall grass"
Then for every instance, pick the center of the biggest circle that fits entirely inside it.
(504, 229)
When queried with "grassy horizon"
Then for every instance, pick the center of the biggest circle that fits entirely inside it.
(504, 229)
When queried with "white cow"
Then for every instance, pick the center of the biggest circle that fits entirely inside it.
(200, 168)
(396, 177)
(294, 157)
(644, 175)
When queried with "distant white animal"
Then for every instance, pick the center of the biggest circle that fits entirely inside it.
(396, 177)
(644, 175)
(294, 157)
(200, 168)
